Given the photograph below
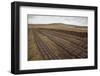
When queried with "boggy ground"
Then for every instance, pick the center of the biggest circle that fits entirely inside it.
(56, 41)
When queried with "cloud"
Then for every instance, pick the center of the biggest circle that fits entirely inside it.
(44, 19)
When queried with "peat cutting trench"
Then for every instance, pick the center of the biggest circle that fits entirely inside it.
(48, 44)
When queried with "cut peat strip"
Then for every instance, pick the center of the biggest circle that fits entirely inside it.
(57, 51)
(72, 50)
(51, 48)
(33, 51)
(80, 41)
(65, 33)
(82, 45)
(43, 48)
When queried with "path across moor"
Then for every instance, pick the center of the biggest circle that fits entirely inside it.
(53, 44)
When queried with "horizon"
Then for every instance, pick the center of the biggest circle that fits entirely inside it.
(47, 19)
(56, 23)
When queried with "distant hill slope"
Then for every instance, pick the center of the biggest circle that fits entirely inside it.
(60, 26)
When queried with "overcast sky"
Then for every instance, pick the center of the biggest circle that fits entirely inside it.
(44, 19)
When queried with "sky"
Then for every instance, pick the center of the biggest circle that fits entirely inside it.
(47, 19)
